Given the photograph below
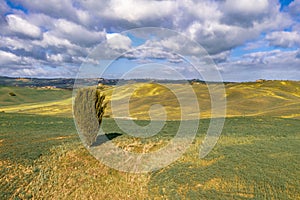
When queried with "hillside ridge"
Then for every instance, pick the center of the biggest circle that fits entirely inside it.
(267, 98)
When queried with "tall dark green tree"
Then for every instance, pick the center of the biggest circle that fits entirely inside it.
(88, 110)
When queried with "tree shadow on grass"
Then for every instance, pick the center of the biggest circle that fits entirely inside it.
(105, 138)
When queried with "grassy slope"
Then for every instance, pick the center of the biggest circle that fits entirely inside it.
(30, 95)
(36, 101)
(255, 158)
(270, 98)
(23, 140)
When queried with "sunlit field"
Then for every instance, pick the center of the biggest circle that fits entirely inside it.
(270, 98)
(256, 157)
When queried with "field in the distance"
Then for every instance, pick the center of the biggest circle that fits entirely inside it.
(36, 101)
(269, 98)
(257, 155)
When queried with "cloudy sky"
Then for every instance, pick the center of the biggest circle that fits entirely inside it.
(247, 39)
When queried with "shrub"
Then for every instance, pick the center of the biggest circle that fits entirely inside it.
(12, 94)
(89, 107)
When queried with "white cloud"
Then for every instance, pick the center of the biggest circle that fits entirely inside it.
(19, 25)
(133, 10)
(54, 8)
(255, 44)
(55, 58)
(217, 25)
(118, 42)
(274, 64)
(39, 71)
(217, 37)
(51, 40)
(77, 33)
(180, 44)
(84, 17)
(14, 43)
(3, 9)
(56, 32)
(247, 7)
(145, 54)
(284, 39)
(7, 58)
(294, 8)
(223, 25)
(221, 57)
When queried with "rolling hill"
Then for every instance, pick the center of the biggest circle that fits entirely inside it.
(256, 157)
(268, 98)
(35, 100)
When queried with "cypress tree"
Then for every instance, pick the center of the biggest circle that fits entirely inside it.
(89, 107)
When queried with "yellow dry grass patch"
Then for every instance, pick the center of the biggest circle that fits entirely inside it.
(142, 96)
(283, 82)
(296, 116)
(63, 107)
(136, 145)
(214, 183)
(56, 138)
(15, 172)
(207, 163)
(227, 186)
(23, 79)
(255, 99)
(3, 163)
(70, 172)
(280, 99)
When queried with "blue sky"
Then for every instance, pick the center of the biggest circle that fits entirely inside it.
(247, 40)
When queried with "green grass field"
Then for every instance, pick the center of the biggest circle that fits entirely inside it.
(256, 157)
(31, 95)
(36, 101)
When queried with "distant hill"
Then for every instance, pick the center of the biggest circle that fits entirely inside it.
(66, 83)
(268, 98)
(36, 100)
(261, 98)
